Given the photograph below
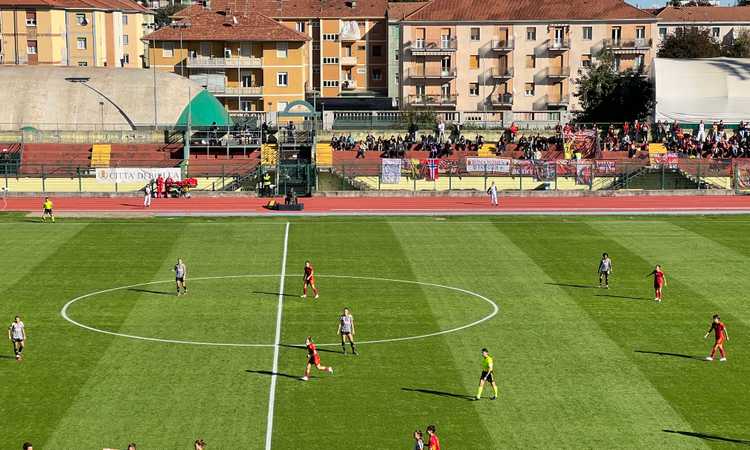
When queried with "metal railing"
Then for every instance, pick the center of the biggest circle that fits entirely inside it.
(442, 45)
(244, 90)
(233, 61)
(431, 72)
(502, 44)
(628, 44)
(512, 174)
(432, 100)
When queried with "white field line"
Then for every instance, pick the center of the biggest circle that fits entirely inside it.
(277, 341)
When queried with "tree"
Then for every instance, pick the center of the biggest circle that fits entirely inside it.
(164, 15)
(607, 95)
(689, 3)
(688, 43)
(739, 47)
(743, 2)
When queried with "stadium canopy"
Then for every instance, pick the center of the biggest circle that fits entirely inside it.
(712, 89)
(70, 98)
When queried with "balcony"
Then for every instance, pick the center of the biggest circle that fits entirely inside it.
(441, 47)
(628, 45)
(559, 101)
(348, 61)
(502, 100)
(558, 45)
(432, 100)
(348, 85)
(232, 62)
(501, 73)
(223, 91)
(502, 45)
(432, 72)
(558, 72)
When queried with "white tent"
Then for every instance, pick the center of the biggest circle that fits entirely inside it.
(691, 90)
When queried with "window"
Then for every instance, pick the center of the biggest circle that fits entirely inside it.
(81, 43)
(82, 64)
(640, 33)
(330, 83)
(445, 90)
(282, 79)
(125, 59)
(586, 60)
(167, 49)
(361, 71)
(30, 18)
(31, 47)
(715, 32)
(530, 61)
(299, 26)
(246, 105)
(330, 37)
(475, 34)
(588, 33)
(420, 90)
(125, 39)
(281, 106)
(81, 19)
(396, 80)
(282, 49)
(473, 61)
(662, 32)
(528, 89)
(639, 62)
(330, 60)
(124, 19)
(377, 75)
(474, 89)
(531, 33)
(377, 50)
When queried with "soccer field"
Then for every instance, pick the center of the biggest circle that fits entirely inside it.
(577, 366)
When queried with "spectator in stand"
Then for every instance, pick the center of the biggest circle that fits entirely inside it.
(701, 131)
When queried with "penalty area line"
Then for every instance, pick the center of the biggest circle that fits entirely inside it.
(277, 341)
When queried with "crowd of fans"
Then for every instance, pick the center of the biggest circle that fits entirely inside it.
(715, 141)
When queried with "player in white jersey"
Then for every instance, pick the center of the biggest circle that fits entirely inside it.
(147, 195)
(180, 274)
(17, 335)
(605, 270)
(346, 330)
(493, 194)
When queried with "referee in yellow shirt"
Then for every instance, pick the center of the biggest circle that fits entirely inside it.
(47, 210)
(488, 374)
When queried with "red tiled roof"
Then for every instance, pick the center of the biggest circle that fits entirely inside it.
(536, 10)
(705, 14)
(299, 9)
(108, 5)
(208, 25)
(399, 10)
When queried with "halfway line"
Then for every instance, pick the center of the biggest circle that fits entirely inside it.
(277, 341)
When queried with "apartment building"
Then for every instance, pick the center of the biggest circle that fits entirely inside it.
(346, 50)
(519, 55)
(725, 22)
(101, 33)
(246, 59)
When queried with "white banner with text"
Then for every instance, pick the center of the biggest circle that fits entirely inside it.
(143, 175)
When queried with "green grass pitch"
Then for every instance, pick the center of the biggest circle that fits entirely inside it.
(578, 366)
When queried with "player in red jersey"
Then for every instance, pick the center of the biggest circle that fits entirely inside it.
(720, 330)
(659, 281)
(434, 442)
(313, 359)
(309, 280)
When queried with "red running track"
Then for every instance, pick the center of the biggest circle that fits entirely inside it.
(398, 205)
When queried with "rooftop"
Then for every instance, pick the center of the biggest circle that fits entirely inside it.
(299, 9)
(227, 25)
(400, 10)
(705, 14)
(107, 5)
(528, 10)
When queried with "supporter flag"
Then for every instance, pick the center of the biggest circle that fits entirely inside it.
(390, 172)
(430, 168)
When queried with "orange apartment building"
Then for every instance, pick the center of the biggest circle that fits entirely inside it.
(95, 33)
(519, 55)
(249, 61)
(337, 49)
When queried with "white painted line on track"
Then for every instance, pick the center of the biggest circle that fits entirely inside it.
(277, 341)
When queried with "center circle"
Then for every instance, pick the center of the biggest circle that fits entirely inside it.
(64, 312)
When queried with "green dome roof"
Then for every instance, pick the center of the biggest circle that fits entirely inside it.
(203, 110)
